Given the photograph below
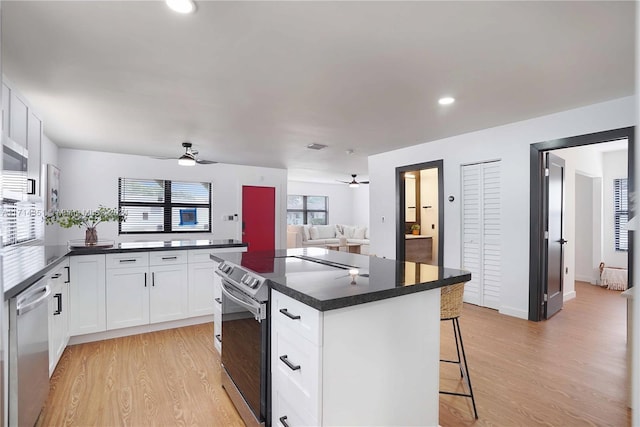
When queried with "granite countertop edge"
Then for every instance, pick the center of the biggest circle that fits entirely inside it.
(52, 262)
(348, 301)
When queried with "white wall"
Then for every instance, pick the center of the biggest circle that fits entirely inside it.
(584, 229)
(615, 166)
(510, 143)
(588, 161)
(346, 205)
(89, 179)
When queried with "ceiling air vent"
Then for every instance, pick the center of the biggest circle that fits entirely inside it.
(315, 146)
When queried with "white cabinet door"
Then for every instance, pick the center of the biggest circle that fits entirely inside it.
(201, 288)
(87, 294)
(18, 119)
(58, 316)
(168, 293)
(127, 297)
(34, 144)
(6, 95)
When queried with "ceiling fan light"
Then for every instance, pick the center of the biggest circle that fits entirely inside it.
(186, 160)
(181, 6)
(354, 185)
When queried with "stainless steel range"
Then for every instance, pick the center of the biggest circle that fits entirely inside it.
(245, 352)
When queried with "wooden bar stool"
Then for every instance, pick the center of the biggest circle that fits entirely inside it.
(450, 309)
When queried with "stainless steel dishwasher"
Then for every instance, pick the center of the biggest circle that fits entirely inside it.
(28, 353)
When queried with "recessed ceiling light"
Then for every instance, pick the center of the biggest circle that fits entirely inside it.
(181, 6)
(446, 100)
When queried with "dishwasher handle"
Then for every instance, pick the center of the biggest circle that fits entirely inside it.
(33, 300)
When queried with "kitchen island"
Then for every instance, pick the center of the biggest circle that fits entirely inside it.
(354, 340)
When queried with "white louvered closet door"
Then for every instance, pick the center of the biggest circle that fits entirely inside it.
(481, 248)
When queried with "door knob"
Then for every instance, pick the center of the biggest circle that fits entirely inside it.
(562, 241)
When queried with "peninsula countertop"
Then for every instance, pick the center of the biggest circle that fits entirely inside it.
(25, 264)
(361, 278)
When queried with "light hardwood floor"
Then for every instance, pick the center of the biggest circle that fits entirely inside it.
(567, 371)
(163, 378)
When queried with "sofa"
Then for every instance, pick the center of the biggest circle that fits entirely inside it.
(301, 236)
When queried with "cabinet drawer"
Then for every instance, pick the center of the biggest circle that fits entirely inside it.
(295, 369)
(167, 257)
(135, 259)
(284, 412)
(301, 318)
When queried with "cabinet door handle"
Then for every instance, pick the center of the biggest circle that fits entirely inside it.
(153, 279)
(59, 304)
(68, 275)
(218, 300)
(145, 280)
(289, 315)
(122, 261)
(219, 338)
(283, 421)
(166, 258)
(289, 364)
(55, 276)
(31, 186)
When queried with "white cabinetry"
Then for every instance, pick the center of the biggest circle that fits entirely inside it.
(18, 119)
(58, 313)
(337, 367)
(87, 294)
(6, 94)
(145, 288)
(34, 147)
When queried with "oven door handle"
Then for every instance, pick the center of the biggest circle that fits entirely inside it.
(254, 307)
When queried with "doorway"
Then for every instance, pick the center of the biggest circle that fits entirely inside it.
(538, 282)
(259, 218)
(420, 213)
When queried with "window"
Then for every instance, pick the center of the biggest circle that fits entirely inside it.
(159, 206)
(621, 213)
(307, 210)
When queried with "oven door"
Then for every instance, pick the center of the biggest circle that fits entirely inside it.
(245, 352)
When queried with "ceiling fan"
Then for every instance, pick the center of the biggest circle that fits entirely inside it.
(190, 157)
(353, 183)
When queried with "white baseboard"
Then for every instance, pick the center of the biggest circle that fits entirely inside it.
(514, 312)
(142, 329)
(568, 296)
(588, 279)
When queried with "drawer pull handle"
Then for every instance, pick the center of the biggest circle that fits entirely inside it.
(166, 258)
(128, 260)
(219, 338)
(218, 300)
(68, 275)
(289, 315)
(145, 280)
(283, 421)
(289, 364)
(59, 304)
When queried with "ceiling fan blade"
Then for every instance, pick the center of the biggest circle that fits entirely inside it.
(205, 162)
(345, 182)
(163, 158)
(363, 182)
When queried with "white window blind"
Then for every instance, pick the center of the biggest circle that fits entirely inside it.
(621, 213)
(163, 206)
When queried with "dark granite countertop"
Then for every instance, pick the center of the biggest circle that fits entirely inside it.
(325, 287)
(23, 265)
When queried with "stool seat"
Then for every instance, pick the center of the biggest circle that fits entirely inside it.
(450, 309)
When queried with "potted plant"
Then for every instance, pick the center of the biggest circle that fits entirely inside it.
(415, 229)
(68, 218)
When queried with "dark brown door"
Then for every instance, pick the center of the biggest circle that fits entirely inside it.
(554, 212)
(259, 218)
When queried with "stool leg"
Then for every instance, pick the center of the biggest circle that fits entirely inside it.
(455, 335)
(464, 358)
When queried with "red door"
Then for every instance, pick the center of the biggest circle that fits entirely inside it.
(259, 218)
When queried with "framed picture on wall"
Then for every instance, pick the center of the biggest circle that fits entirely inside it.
(53, 188)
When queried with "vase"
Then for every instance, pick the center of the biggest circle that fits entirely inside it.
(91, 236)
(415, 232)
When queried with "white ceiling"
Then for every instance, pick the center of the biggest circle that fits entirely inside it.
(255, 82)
